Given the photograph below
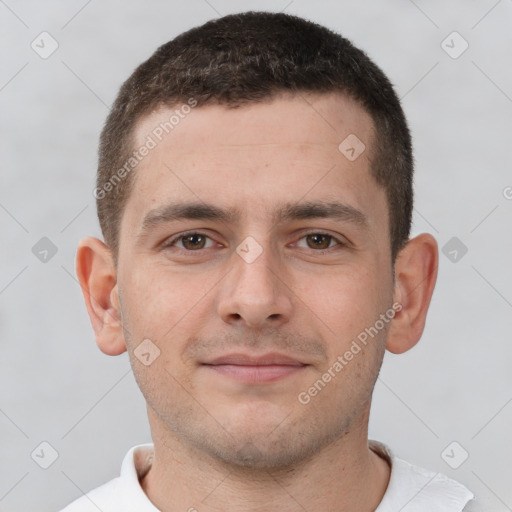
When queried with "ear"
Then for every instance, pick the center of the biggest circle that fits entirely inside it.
(98, 279)
(415, 278)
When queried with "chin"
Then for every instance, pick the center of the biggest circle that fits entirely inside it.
(251, 456)
(267, 448)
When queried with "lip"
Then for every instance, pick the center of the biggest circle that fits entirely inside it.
(255, 369)
(272, 358)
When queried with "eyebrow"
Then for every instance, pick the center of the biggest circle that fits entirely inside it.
(286, 212)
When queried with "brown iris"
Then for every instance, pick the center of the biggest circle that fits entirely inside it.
(194, 241)
(319, 241)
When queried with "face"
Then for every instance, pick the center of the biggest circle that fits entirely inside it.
(253, 252)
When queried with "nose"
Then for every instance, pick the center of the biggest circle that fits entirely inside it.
(253, 293)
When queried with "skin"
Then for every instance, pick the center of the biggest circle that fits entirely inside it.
(222, 444)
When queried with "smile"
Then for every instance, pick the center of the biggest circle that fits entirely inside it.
(254, 374)
(253, 369)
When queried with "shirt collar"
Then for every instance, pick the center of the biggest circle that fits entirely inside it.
(136, 464)
(410, 488)
(414, 489)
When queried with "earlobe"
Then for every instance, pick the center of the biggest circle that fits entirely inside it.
(415, 279)
(98, 279)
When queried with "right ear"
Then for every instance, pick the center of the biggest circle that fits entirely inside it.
(98, 279)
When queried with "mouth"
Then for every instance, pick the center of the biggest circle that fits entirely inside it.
(255, 369)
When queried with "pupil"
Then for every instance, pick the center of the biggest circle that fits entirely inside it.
(194, 240)
(318, 239)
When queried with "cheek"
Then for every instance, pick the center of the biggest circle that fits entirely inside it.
(162, 302)
(344, 302)
(166, 308)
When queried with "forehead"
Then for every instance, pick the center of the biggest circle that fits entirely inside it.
(301, 118)
(254, 156)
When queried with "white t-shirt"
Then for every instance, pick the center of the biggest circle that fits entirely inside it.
(410, 489)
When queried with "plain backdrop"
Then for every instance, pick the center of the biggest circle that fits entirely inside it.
(448, 398)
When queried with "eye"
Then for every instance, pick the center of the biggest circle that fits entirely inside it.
(321, 241)
(195, 241)
(191, 241)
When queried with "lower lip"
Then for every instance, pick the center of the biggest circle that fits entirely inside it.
(257, 373)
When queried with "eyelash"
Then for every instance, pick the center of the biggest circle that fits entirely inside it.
(181, 236)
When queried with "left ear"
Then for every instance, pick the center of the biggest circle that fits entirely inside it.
(415, 278)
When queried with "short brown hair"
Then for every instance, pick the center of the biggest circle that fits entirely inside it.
(247, 58)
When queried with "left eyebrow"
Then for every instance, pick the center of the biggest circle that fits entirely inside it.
(286, 212)
(320, 209)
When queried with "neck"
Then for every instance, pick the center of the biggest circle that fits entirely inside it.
(345, 475)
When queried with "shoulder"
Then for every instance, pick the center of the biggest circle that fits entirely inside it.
(414, 488)
(473, 506)
(103, 498)
(123, 493)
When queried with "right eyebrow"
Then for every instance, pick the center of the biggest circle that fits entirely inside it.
(181, 211)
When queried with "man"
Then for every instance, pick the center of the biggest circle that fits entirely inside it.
(254, 191)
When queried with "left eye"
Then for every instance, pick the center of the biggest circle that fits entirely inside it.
(320, 241)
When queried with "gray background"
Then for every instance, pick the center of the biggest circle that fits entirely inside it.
(56, 386)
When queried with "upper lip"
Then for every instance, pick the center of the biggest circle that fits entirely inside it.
(255, 360)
